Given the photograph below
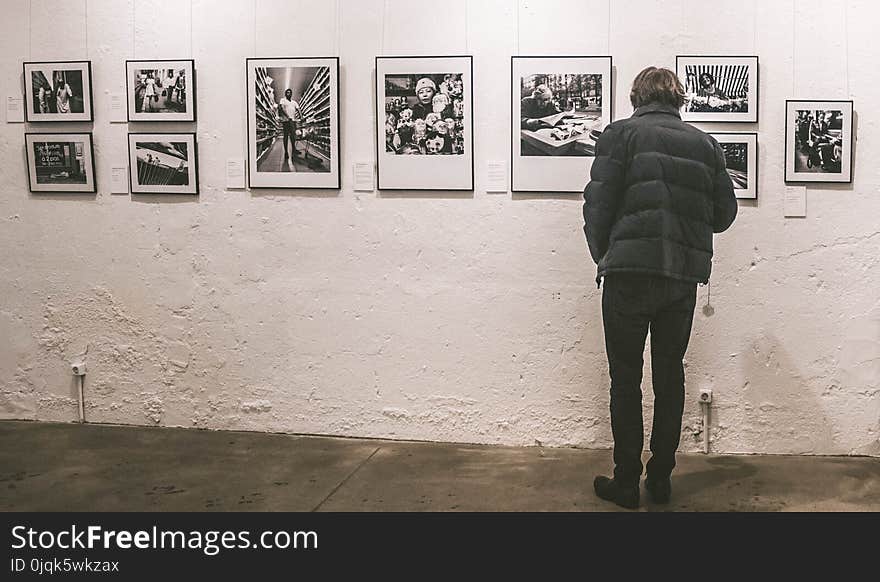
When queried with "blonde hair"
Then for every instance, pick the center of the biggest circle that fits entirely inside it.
(656, 85)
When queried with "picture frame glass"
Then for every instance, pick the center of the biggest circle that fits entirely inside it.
(424, 129)
(58, 91)
(60, 162)
(163, 163)
(560, 106)
(719, 88)
(293, 123)
(161, 90)
(741, 158)
(818, 141)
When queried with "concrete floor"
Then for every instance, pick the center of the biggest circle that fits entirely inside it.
(68, 467)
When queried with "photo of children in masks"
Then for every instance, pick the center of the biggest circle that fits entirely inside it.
(424, 114)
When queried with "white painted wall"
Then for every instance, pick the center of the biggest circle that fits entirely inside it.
(428, 316)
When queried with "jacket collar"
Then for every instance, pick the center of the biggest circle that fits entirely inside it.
(656, 108)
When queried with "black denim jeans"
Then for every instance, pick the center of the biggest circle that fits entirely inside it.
(631, 305)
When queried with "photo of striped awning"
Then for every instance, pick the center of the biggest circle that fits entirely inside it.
(732, 80)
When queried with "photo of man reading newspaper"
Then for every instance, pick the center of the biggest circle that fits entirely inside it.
(560, 114)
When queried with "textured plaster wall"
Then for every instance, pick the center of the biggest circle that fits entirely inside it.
(428, 316)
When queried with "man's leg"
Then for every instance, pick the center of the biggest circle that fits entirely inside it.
(285, 125)
(625, 316)
(670, 333)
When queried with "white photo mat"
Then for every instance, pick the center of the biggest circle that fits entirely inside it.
(432, 172)
(554, 173)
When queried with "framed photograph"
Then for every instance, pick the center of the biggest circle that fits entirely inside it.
(58, 91)
(424, 123)
(741, 156)
(719, 88)
(161, 90)
(163, 163)
(818, 141)
(293, 122)
(560, 106)
(60, 162)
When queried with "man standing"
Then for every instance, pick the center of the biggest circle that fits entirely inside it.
(658, 191)
(288, 110)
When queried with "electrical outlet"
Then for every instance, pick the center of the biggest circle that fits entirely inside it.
(705, 395)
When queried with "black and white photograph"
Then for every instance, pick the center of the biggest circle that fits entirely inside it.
(719, 88)
(163, 163)
(818, 141)
(161, 90)
(424, 133)
(741, 157)
(60, 162)
(560, 107)
(58, 91)
(293, 123)
(424, 114)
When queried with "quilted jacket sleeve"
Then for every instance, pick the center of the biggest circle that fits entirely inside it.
(724, 201)
(602, 196)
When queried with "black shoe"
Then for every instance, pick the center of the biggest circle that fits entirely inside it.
(659, 490)
(610, 490)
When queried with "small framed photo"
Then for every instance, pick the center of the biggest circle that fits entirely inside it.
(161, 90)
(741, 156)
(163, 163)
(60, 162)
(818, 141)
(293, 122)
(58, 91)
(719, 88)
(424, 123)
(560, 107)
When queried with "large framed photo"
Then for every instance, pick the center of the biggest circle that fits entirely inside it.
(163, 163)
(161, 90)
(293, 122)
(60, 162)
(818, 141)
(58, 91)
(424, 123)
(560, 106)
(719, 88)
(741, 156)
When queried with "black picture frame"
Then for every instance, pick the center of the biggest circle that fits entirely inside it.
(753, 154)
(380, 120)
(136, 189)
(751, 116)
(31, 167)
(515, 135)
(88, 114)
(192, 90)
(846, 145)
(336, 164)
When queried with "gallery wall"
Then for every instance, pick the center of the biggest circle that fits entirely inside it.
(470, 317)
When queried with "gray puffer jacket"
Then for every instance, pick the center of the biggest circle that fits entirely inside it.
(658, 190)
